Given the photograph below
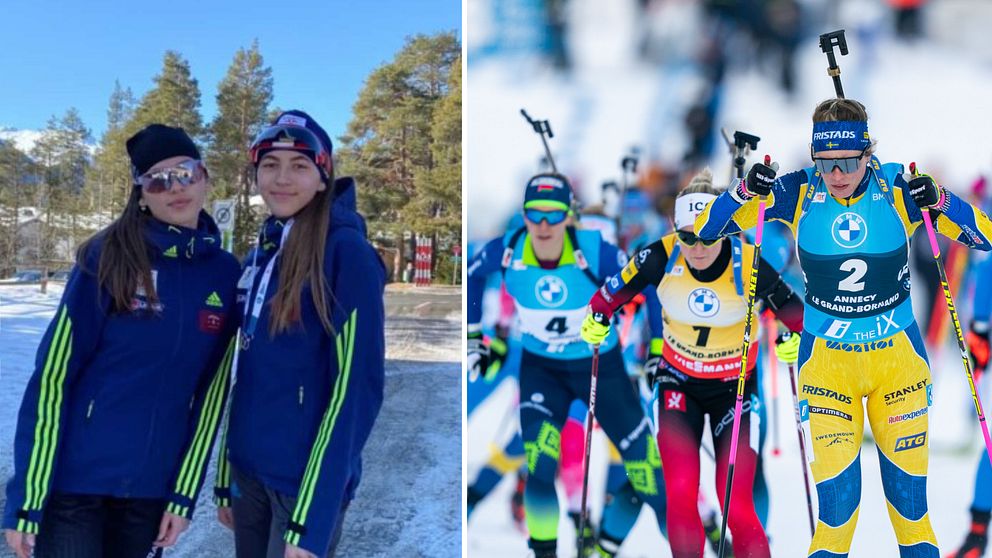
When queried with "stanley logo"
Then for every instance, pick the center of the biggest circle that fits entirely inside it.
(903, 392)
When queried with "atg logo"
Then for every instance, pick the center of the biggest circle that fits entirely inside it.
(911, 441)
(551, 291)
(704, 302)
(849, 230)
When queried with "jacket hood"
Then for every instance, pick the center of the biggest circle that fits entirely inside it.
(344, 212)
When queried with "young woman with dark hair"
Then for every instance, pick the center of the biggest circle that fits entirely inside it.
(119, 416)
(310, 368)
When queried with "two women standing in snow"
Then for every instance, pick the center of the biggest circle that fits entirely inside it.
(131, 380)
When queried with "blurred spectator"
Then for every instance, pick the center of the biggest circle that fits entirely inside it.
(908, 19)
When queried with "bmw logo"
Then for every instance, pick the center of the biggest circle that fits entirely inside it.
(704, 302)
(551, 291)
(849, 230)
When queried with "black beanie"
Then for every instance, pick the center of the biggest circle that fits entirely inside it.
(157, 142)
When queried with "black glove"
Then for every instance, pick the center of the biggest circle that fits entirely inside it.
(478, 356)
(926, 193)
(759, 180)
(651, 369)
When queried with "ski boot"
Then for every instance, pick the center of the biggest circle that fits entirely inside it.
(587, 537)
(543, 549)
(977, 538)
(607, 547)
(712, 529)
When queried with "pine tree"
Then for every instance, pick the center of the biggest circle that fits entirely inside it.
(175, 99)
(63, 155)
(389, 140)
(110, 181)
(16, 179)
(437, 206)
(243, 97)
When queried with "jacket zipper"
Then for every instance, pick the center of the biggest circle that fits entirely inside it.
(301, 396)
(89, 409)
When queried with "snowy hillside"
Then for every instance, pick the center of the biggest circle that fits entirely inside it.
(24, 140)
(927, 102)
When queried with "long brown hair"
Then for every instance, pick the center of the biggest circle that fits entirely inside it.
(303, 262)
(124, 262)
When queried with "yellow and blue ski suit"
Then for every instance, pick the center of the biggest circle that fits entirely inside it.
(860, 340)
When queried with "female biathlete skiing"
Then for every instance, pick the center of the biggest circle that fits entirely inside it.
(703, 298)
(120, 414)
(852, 217)
(550, 269)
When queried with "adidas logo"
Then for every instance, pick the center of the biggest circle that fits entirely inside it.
(170, 253)
(214, 300)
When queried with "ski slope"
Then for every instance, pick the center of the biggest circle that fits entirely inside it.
(927, 101)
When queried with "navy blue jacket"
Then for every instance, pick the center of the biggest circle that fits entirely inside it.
(304, 401)
(127, 404)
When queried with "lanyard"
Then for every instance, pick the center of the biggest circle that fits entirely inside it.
(254, 310)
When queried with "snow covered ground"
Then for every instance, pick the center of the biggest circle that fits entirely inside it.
(927, 102)
(409, 502)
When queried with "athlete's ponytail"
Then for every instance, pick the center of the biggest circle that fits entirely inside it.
(701, 183)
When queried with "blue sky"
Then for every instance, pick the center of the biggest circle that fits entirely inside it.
(63, 53)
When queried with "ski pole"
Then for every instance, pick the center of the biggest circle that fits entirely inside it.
(827, 43)
(739, 148)
(956, 321)
(584, 515)
(771, 332)
(543, 129)
(629, 166)
(802, 448)
(751, 288)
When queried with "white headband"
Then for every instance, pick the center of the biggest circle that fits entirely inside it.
(687, 207)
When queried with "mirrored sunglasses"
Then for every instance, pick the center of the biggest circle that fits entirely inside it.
(293, 138)
(162, 180)
(552, 217)
(690, 239)
(847, 165)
